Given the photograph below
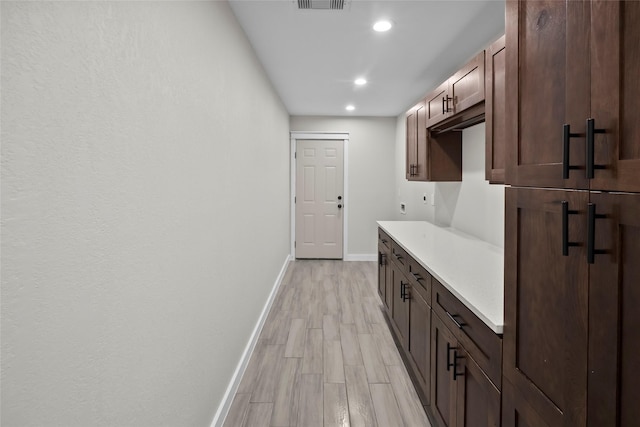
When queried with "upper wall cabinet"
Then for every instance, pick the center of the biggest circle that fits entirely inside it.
(495, 138)
(417, 143)
(575, 122)
(460, 92)
(431, 156)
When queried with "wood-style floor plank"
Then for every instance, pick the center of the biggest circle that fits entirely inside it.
(296, 340)
(361, 411)
(238, 410)
(258, 415)
(312, 360)
(333, 366)
(311, 408)
(385, 405)
(350, 346)
(325, 356)
(373, 363)
(287, 394)
(408, 402)
(336, 409)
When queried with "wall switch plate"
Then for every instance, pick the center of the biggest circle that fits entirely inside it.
(403, 208)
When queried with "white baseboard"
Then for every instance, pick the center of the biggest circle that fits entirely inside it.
(361, 257)
(225, 404)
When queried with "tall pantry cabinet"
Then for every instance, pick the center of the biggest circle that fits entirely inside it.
(572, 249)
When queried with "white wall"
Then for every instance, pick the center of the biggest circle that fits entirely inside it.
(472, 206)
(371, 184)
(145, 209)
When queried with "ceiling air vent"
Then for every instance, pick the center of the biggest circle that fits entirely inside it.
(322, 4)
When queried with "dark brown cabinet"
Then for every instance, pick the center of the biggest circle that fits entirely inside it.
(571, 340)
(417, 143)
(614, 298)
(438, 104)
(546, 301)
(460, 92)
(462, 393)
(576, 374)
(454, 358)
(495, 98)
(400, 304)
(575, 122)
(431, 157)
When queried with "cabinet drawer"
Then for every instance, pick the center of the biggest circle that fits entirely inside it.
(384, 239)
(420, 279)
(399, 256)
(482, 344)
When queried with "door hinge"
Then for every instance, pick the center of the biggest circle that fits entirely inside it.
(295, 244)
(295, 154)
(295, 199)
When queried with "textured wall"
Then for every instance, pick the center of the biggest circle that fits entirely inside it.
(145, 210)
(371, 151)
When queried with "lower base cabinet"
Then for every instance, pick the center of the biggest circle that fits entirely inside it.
(451, 379)
(462, 393)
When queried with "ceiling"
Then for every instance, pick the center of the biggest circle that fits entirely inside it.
(313, 56)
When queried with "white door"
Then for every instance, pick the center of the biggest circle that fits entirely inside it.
(319, 198)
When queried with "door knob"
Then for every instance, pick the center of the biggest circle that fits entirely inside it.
(339, 197)
(339, 206)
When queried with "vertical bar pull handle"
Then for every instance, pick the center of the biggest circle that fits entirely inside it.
(591, 233)
(443, 101)
(565, 228)
(591, 131)
(566, 139)
(449, 348)
(456, 373)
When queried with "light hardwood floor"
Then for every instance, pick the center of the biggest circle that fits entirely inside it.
(325, 356)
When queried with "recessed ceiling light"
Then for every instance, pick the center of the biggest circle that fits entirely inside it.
(382, 26)
(350, 108)
(361, 81)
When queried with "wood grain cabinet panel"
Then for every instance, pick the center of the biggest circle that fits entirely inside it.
(614, 319)
(573, 63)
(462, 394)
(495, 125)
(439, 104)
(546, 298)
(400, 302)
(420, 340)
(466, 87)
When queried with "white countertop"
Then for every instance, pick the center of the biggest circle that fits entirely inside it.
(471, 269)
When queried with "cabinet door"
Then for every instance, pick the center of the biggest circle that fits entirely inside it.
(546, 297)
(614, 318)
(495, 98)
(443, 390)
(412, 138)
(615, 94)
(478, 400)
(516, 412)
(421, 144)
(400, 313)
(547, 82)
(382, 272)
(439, 104)
(420, 340)
(466, 87)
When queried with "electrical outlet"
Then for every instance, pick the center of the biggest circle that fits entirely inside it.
(424, 198)
(403, 209)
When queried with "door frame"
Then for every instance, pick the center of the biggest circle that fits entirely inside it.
(341, 136)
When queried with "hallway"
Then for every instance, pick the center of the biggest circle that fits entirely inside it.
(325, 356)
